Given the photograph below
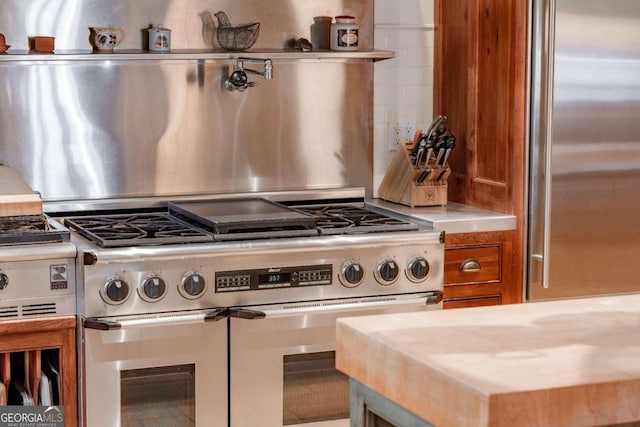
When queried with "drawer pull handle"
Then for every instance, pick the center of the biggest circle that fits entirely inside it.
(470, 265)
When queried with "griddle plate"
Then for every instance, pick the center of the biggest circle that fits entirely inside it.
(239, 215)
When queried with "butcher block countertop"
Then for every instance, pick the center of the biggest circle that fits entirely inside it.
(16, 197)
(559, 363)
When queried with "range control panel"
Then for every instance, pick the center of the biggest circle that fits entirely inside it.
(273, 278)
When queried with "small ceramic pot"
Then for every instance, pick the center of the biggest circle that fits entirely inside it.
(42, 44)
(3, 44)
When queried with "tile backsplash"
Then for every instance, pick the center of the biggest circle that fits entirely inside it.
(403, 86)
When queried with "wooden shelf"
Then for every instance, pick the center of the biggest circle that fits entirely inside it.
(193, 54)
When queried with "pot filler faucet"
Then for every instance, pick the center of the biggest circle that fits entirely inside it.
(238, 80)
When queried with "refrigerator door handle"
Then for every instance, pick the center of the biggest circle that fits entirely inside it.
(542, 128)
(550, 42)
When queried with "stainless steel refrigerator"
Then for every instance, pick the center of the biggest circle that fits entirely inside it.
(584, 192)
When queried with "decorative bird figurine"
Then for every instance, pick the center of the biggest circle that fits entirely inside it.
(223, 19)
(235, 38)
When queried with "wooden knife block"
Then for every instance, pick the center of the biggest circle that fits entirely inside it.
(399, 182)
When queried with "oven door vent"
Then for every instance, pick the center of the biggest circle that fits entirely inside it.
(9, 312)
(38, 309)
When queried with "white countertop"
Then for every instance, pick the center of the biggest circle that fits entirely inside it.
(454, 218)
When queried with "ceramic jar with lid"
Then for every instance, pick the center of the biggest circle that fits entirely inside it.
(344, 33)
(159, 39)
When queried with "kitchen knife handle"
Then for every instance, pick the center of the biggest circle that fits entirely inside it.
(423, 176)
(443, 174)
(416, 140)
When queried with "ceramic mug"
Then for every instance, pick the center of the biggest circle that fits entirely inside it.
(105, 39)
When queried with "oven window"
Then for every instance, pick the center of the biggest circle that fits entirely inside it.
(163, 396)
(314, 390)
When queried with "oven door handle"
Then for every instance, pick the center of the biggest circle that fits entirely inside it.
(108, 324)
(434, 297)
(245, 313)
(216, 314)
(424, 298)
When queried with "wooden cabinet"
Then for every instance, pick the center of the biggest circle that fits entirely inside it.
(478, 269)
(27, 347)
(480, 85)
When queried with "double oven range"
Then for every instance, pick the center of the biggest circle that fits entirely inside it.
(221, 312)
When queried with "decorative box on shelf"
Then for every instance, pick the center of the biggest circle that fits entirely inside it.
(412, 184)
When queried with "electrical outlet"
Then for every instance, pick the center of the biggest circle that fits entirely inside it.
(400, 132)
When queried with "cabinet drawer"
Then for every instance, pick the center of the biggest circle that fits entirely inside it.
(478, 264)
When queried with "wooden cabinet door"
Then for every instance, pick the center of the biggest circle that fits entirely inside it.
(480, 85)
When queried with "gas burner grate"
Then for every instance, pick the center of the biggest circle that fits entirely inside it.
(29, 229)
(352, 219)
(119, 230)
(24, 224)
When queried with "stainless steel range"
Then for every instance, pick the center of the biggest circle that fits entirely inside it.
(36, 268)
(221, 312)
(37, 298)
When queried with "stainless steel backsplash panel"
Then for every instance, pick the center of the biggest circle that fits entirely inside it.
(129, 128)
(104, 129)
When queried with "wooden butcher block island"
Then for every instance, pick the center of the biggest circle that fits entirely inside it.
(560, 363)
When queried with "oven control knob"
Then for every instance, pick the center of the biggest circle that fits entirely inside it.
(193, 286)
(386, 272)
(351, 274)
(115, 291)
(152, 289)
(417, 269)
(4, 281)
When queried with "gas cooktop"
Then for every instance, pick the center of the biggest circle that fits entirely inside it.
(29, 229)
(207, 221)
(354, 219)
(137, 229)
